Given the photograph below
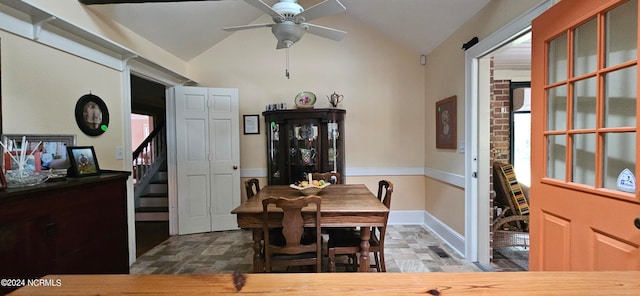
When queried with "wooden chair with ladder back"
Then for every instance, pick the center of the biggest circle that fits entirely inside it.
(252, 187)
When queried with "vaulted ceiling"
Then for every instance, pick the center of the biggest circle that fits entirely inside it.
(419, 24)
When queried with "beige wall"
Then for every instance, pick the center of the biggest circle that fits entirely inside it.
(40, 88)
(382, 84)
(445, 76)
(389, 96)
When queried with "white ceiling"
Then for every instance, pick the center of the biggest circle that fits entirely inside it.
(187, 29)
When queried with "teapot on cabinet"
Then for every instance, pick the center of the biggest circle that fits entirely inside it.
(335, 99)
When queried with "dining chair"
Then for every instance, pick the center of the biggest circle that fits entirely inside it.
(347, 242)
(296, 249)
(252, 186)
(331, 177)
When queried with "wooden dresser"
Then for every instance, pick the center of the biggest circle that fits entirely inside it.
(76, 226)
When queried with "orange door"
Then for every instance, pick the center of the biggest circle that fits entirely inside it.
(584, 145)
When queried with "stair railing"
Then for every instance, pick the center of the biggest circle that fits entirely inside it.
(149, 154)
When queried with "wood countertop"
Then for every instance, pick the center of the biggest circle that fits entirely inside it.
(440, 283)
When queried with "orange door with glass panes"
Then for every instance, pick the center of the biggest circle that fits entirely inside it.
(584, 199)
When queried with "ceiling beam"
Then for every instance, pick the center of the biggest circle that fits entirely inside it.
(91, 2)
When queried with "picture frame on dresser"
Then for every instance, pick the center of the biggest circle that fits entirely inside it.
(52, 147)
(83, 161)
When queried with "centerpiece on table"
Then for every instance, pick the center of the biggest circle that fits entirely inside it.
(310, 186)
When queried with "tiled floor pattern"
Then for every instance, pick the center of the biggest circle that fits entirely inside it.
(408, 248)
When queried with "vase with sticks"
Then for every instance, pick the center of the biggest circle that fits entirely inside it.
(21, 176)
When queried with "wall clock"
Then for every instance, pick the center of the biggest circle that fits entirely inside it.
(92, 115)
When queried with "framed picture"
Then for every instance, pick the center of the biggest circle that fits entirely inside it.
(92, 115)
(32, 158)
(251, 124)
(446, 123)
(52, 148)
(83, 161)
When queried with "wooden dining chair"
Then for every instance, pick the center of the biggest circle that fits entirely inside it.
(252, 186)
(347, 242)
(296, 248)
(331, 177)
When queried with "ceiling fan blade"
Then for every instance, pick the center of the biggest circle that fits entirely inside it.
(259, 4)
(246, 27)
(326, 32)
(325, 8)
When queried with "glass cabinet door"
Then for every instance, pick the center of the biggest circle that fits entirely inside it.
(303, 149)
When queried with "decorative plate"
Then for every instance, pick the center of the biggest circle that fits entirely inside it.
(305, 99)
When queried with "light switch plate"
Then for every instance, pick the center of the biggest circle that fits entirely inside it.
(119, 152)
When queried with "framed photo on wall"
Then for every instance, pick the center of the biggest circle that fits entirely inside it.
(83, 161)
(446, 121)
(251, 124)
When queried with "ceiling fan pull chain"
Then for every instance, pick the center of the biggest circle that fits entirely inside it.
(286, 71)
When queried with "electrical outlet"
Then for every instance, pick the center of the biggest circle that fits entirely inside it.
(119, 152)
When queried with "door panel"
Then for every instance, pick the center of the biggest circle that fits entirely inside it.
(556, 236)
(224, 159)
(584, 115)
(192, 129)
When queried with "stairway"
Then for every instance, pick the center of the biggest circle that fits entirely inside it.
(151, 197)
(153, 203)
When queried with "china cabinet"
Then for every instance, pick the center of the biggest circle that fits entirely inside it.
(303, 141)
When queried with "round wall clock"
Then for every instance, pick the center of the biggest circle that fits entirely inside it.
(92, 115)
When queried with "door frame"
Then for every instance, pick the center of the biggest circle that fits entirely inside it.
(477, 165)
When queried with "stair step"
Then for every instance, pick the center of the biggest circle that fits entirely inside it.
(152, 216)
(153, 195)
(153, 202)
(152, 209)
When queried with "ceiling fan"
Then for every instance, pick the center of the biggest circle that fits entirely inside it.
(290, 20)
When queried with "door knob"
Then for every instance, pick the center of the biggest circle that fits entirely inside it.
(636, 222)
(235, 167)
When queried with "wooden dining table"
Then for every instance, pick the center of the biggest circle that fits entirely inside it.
(343, 205)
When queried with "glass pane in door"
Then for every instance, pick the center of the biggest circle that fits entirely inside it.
(585, 48)
(557, 161)
(620, 97)
(584, 104)
(619, 154)
(622, 34)
(557, 108)
(584, 159)
(333, 135)
(557, 59)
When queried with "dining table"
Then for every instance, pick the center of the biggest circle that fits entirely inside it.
(343, 205)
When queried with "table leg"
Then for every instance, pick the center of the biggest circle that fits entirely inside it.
(365, 234)
(257, 250)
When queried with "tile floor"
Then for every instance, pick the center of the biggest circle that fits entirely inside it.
(409, 248)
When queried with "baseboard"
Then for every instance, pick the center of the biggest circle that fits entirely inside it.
(446, 233)
(435, 226)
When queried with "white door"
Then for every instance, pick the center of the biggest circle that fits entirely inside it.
(203, 137)
(224, 157)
